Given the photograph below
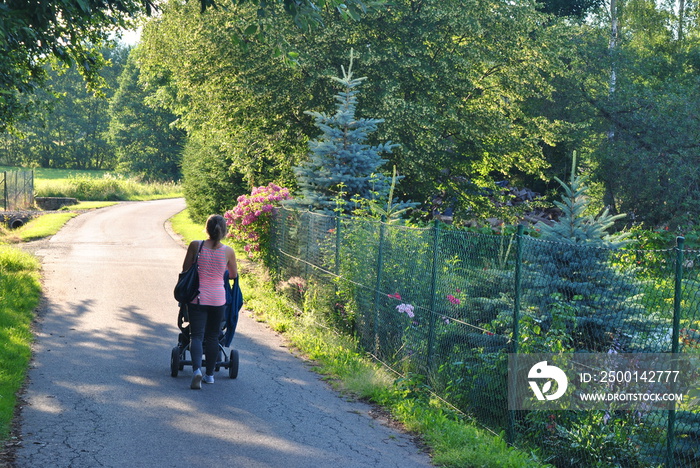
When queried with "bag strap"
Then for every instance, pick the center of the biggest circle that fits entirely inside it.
(194, 264)
(196, 259)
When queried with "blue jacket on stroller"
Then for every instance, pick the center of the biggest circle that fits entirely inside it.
(234, 302)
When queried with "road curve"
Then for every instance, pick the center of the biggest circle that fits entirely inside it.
(100, 392)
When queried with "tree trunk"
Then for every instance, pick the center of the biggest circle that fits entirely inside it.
(612, 46)
(681, 18)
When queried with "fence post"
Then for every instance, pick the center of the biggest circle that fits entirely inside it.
(307, 250)
(4, 190)
(517, 280)
(378, 283)
(433, 291)
(11, 190)
(279, 228)
(671, 430)
(337, 244)
(31, 188)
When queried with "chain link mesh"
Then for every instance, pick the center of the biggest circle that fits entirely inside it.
(17, 190)
(450, 305)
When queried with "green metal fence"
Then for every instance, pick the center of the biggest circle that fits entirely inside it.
(450, 305)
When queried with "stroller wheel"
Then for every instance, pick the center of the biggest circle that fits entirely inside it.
(233, 364)
(175, 361)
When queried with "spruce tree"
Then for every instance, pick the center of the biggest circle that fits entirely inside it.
(573, 285)
(341, 165)
(575, 226)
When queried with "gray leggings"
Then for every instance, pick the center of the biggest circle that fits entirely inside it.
(205, 326)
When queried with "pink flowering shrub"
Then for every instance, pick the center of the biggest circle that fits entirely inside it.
(251, 219)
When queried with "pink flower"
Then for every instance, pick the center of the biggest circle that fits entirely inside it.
(453, 299)
(394, 296)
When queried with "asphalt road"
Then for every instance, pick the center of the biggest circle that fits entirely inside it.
(100, 392)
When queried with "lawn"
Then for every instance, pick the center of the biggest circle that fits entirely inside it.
(90, 185)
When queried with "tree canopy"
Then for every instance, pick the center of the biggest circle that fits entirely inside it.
(451, 79)
(144, 142)
(484, 97)
(73, 31)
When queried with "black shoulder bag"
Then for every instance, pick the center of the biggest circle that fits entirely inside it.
(187, 287)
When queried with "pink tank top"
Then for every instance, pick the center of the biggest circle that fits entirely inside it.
(211, 267)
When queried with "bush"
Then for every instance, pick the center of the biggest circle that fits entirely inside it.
(250, 220)
(208, 184)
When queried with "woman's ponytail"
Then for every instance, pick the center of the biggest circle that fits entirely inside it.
(216, 227)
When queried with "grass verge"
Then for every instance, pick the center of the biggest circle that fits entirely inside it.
(37, 228)
(453, 441)
(20, 290)
(46, 224)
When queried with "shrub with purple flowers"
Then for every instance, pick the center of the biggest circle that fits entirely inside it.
(250, 220)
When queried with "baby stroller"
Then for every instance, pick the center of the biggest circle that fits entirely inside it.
(180, 353)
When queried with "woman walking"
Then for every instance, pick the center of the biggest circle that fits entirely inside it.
(207, 311)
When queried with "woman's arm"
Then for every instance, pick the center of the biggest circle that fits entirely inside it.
(190, 255)
(231, 263)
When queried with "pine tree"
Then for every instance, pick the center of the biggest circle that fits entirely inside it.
(341, 164)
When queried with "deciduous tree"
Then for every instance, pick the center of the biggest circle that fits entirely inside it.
(145, 143)
(451, 79)
(73, 31)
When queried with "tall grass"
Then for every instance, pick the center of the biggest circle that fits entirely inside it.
(20, 290)
(108, 187)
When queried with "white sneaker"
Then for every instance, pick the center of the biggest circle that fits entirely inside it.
(208, 379)
(196, 380)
